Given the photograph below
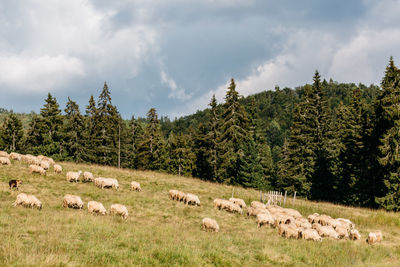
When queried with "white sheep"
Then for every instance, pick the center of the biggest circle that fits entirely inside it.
(4, 154)
(27, 201)
(72, 201)
(354, 234)
(265, 218)
(310, 234)
(238, 201)
(135, 186)
(97, 181)
(96, 207)
(210, 224)
(73, 176)
(258, 204)
(109, 183)
(192, 199)
(37, 169)
(57, 168)
(45, 164)
(88, 177)
(15, 156)
(5, 161)
(119, 210)
(173, 194)
(374, 237)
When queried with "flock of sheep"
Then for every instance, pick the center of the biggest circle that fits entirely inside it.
(289, 222)
(41, 164)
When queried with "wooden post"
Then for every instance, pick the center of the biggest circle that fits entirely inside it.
(294, 197)
(119, 144)
(232, 190)
(284, 200)
(260, 196)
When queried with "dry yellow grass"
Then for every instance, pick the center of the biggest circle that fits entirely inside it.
(161, 232)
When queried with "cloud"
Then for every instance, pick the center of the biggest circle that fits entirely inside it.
(176, 92)
(38, 74)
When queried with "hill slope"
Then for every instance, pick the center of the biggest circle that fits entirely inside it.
(164, 232)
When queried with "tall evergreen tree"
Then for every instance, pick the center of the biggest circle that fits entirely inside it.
(35, 135)
(89, 131)
(204, 154)
(214, 137)
(106, 129)
(11, 133)
(73, 132)
(181, 157)
(52, 127)
(234, 130)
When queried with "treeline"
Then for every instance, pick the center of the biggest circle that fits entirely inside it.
(326, 141)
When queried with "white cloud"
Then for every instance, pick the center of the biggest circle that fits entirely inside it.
(176, 92)
(39, 74)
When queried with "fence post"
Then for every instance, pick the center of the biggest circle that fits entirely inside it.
(260, 196)
(284, 200)
(232, 190)
(294, 197)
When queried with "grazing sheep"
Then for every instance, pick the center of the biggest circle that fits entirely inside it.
(292, 212)
(210, 224)
(374, 237)
(109, 183)
(288, 231)
(4, 154)
(347, 223)
(96, 207)
(173, 194)
(232, 207)
(342, 232)
(27, 201)
(57, 168)
(87, 177)
(324, 219)
(258, 204)
(73, 176)
(119, 210)
(326, 231)
(303, 223)
(14, 183)
(310, 234)
(15, 156)
(255, 211)
(135, 186)
(238, 201)
(265, 218)
(283, 219)
(5, 161)
(181, 196)
(97, 182)
(41, 158)
(354, 234)
(218, 203)
(313, 218)
(192, 199)
(72, 201)
(37, 169)
(45, 164)
(32, 160)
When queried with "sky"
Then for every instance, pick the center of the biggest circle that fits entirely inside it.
(174, 55)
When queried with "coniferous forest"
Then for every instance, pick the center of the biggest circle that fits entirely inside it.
(326, 140)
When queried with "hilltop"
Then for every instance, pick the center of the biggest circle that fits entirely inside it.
(164, 232)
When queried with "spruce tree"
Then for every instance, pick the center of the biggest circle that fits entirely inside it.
(204, 153)
(250, 169)
(234, 130)
(181, 157)
(52, 127)
(11, 133)
(73, 132)
(213, 137)
(106, 129)
(35, 135)
(389, 156)
(89, 148)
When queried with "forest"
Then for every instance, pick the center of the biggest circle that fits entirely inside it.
(330, 141)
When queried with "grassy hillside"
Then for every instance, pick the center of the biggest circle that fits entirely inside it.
(168, 233)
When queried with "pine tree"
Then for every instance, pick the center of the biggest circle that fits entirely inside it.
(11, 133)
(214, 137)
(390, 141)
(89, 148)
(151, 150)
(35, 135)
(106, 129)
(234, 130)
(204, 153)
(52, 127)
(250, 168)
(73, 132)
(349, 135)
(181, 157)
